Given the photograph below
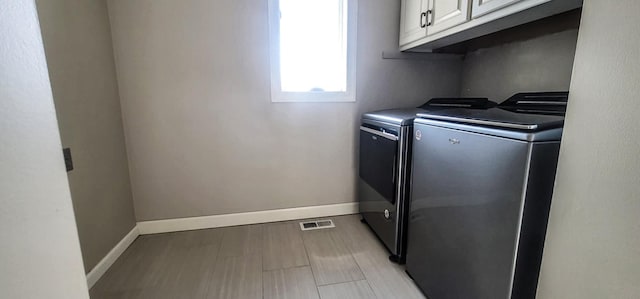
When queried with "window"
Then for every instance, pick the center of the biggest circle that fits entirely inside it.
(312, 50)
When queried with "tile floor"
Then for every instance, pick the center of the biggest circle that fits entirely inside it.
(272, 260)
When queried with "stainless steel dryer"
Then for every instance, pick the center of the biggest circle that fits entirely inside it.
(481, 193)
(384, 171)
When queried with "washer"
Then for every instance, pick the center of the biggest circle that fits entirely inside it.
(481, 193)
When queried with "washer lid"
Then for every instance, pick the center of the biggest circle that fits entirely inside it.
(497, 118)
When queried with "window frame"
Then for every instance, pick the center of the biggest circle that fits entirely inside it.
(277, 95)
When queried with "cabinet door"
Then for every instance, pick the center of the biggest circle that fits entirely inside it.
(446, 14)
(481, 7)
(413, 20)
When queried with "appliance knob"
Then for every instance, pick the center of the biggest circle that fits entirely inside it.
(387, 214)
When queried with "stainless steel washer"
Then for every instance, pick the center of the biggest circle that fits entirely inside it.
(481, 193)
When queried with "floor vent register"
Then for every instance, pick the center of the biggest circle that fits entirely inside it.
(316, 224)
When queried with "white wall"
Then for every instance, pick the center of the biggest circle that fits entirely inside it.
(40, 254)
(203, 137)
(593, 240)
(77, 40)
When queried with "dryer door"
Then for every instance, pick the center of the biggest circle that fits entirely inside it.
(378, 161)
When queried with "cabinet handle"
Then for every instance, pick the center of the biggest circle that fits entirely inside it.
(429, 16)
(423, 20)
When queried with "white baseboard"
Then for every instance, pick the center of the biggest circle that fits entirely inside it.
(191, 223)
(111, 257)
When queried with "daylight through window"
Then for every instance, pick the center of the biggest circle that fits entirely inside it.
(312, 44)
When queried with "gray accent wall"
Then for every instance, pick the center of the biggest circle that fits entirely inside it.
(77, 40)
(204, 137)
(593, 241)
(532, 57)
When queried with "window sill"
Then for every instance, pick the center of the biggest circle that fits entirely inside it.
(308, 97)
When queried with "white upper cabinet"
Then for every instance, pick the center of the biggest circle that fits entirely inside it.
(420, 18)
(413, 20)
(444, 14)
(481, 7)
(426, 25)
